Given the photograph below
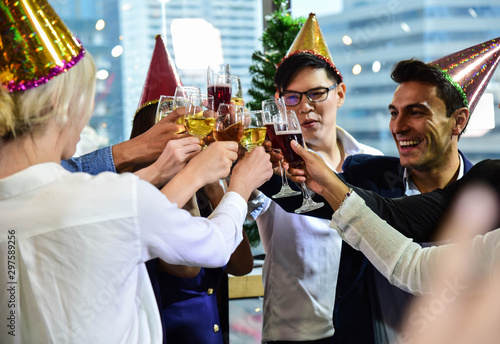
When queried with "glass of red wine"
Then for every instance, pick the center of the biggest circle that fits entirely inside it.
(219, 84)
(229, 123)
(285, 133)
(274, 112)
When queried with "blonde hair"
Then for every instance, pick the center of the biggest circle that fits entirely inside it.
(65, 97)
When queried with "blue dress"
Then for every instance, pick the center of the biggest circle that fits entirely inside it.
(188, 306)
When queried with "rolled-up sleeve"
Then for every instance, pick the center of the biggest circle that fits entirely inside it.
(93, 163)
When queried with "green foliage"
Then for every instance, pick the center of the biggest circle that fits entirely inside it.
(252, 231)
(276, 40)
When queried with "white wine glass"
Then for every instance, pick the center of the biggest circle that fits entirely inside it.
(236, 90)
(285, 133)
(198, 121)
(181, 98)
(165, 107)
(274, 112)
(254, 133)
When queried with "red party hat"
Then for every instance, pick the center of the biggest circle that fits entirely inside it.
(470, 70)
(310, 40)
(162, 77)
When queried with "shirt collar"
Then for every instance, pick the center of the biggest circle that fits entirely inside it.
(411, 188)
(30, 179)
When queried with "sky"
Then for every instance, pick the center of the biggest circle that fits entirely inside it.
(320, 7)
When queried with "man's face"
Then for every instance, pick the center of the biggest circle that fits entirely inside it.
(419, 126)
(317, 119)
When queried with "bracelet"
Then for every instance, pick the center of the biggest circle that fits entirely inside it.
(345, 198)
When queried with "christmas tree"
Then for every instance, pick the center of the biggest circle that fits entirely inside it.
(276, 40)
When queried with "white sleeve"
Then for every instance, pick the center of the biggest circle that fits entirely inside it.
(404, 263)
(176, 237)
(258, 206)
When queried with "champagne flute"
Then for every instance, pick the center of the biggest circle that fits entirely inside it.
(165, 107)
(284, 135)
(229, 123)
(199, 123)
(219, 84)
(254, 133)
(236, 90)
(274, 112)
(181, 98)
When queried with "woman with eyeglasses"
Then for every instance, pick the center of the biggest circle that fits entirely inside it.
(303, 253)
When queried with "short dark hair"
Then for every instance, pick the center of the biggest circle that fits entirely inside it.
(415, 70)
(294, 63)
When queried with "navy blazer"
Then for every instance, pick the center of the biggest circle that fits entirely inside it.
(358, 315)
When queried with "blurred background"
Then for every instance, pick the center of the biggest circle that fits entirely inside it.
(365, 37)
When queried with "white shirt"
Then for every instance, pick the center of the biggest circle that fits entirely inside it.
(411, 188)
(301, 266)
(404, 263)
(80, 245)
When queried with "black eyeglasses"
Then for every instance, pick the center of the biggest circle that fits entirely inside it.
(314, 95)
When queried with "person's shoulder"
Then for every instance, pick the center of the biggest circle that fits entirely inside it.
(371, 171)
(369, 161)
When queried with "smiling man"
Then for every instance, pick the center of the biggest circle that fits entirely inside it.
(428, 115)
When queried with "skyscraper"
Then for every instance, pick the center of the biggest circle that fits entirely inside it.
(369, 37)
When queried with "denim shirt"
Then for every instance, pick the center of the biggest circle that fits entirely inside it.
(93, 163)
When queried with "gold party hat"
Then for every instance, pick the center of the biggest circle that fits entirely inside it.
(310, 40)
(35, 44)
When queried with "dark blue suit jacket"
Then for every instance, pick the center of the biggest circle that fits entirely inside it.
(358, 314)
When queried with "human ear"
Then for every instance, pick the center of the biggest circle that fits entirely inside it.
(461, 118)
(340, 91)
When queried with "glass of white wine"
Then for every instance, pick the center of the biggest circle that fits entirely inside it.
(181, 98)
(254, 133)
(236, 90)
(199, 120)
(165, 107)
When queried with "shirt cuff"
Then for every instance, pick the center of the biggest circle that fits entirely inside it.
(256, 206)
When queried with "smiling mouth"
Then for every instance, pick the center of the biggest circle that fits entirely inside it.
(409, 144)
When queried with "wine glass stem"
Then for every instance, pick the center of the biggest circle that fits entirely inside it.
(305, 191)
(284, 179)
